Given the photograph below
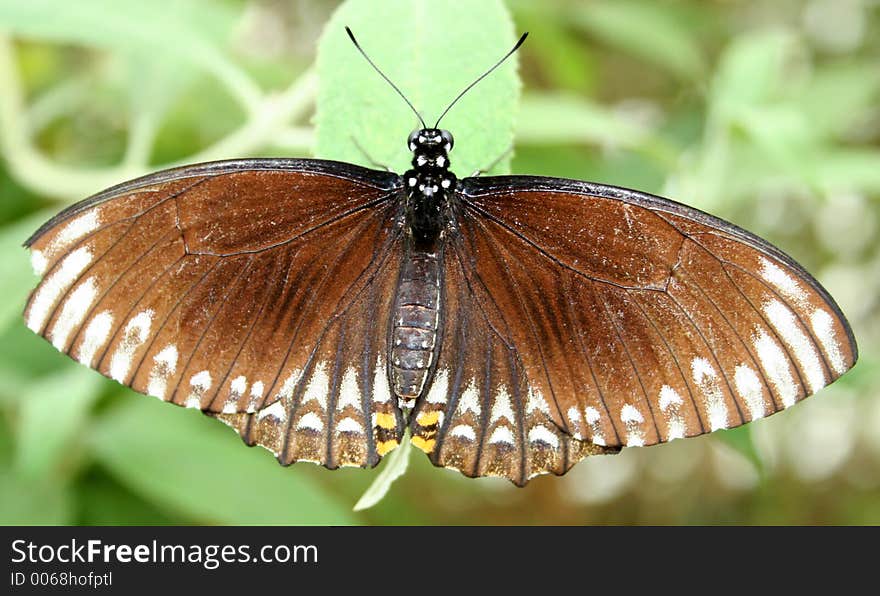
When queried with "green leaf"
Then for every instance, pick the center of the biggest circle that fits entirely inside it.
(649, 30)
(432, 50)
(52, 413)
(187, 30)
(751, 69)
(191, 464)
(394, 468)
(25, 501)
(561, 118)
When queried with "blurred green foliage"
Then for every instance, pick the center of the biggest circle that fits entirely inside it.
(764, 112)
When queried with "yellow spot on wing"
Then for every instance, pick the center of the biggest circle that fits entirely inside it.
(426, 446)
(386, 421)
(428, 418)
(383, 447)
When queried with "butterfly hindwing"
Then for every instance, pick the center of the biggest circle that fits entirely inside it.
(480, 415)
(339, 410)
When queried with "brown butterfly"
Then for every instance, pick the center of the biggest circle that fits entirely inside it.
(515, 324)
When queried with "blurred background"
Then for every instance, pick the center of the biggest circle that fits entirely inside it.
(764, 112)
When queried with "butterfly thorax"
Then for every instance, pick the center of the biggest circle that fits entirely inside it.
(429, 185)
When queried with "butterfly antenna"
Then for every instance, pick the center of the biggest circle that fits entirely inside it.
(483, 76)
(382, 74)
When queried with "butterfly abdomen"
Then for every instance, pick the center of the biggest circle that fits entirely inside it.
(416, 319)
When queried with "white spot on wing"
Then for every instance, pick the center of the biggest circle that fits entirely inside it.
(95, 336)
(257, 390)
(670, 402)
(501, 408)
(783, 320)
(782, 281)
(381, 390)
(707, 380)
(536, 401)
(238, 386)
(464, 431)
(287, 387)
(318, 387)
(74, 230)
(73, 312)
(540, 434)
(311, 421)
(592, 416)
(439, 387)
(748, 385)
(55, 285)
(276, 411)
(775, 365)
(823, 327)
(349, 392)
(632, 419)
(164, 365)
(136, 332)
(349, 425)
(470, 400)
(39, 262)
(199, 384)
(502, 434)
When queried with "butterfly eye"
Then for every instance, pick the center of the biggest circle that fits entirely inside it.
(448, 141)
(412, 141)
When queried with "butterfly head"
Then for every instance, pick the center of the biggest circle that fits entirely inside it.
(430, 147)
